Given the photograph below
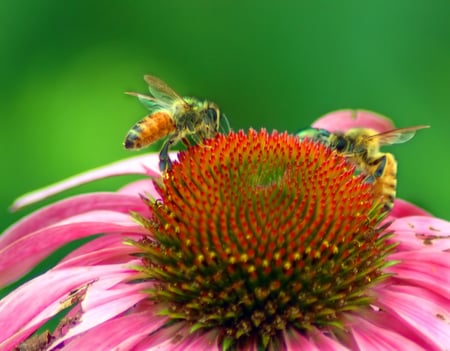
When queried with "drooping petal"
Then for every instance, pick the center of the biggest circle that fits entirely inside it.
(343, 120)
(32, 304)
(324, 343)
(421, 233)
(427, 269)
(163, 339)
(369, 336)
(143, 186)
(293, 340)
(72, 206)
(146, 164)
(177, 337)
(425, 312)
(21, 255)
(122, 333)
(107, 249)
(103, 303)
(404, 208)
(316, 340)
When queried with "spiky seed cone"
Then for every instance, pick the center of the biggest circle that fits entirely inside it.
(256, 233)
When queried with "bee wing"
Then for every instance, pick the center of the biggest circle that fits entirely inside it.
(161, 91)
(150, 102)
(396, 136)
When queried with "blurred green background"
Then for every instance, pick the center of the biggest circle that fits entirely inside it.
(65, 65)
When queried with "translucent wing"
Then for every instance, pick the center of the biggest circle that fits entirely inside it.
(224, 124)
(150, 102)
(396, 136)
(316, 134)
(161, 91)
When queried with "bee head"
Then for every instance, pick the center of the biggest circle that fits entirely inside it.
(340, 143)
(212, 112)
(216, 118)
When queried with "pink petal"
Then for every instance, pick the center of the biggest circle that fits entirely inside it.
(103, 303)
(199, 341)
(422, 225)
(427, 269)
(293, 340)
(143, 186)
(107, 249)
(177, 337)
(343, 120)
(122, 333)
(70, 207)
(19, 318)
(21, 255)
(421, 232)
(403, 208)
(369, 336)
(315, 340)
(324, 343)
(423, 311)
(145, 164)
(204, 341)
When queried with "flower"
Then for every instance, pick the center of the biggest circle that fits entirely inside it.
(252, 241)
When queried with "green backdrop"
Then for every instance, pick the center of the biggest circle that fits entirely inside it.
(64, 66)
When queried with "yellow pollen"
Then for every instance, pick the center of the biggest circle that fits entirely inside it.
(244, 258)
(200, 258)
(287, 265)
(265, 263)
(166, 226)
(251, 269)
(297, 256)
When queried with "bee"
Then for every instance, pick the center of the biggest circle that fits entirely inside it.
(361, 146)
(175, 117)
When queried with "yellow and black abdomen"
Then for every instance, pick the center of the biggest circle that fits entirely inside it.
(385, 186)
(149, 129)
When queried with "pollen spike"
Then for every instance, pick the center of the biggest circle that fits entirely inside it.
(262, 208)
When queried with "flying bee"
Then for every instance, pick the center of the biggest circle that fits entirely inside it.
(178, 118)
(361, 146)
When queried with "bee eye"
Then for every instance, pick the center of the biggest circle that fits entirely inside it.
(212, 113)
(341, 144)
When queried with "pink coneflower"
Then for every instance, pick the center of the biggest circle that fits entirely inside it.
(252, 241)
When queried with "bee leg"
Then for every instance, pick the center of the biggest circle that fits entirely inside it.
(381, 166)
(186, 142)
(190, 126)
(165, 163)
(198, 139)
(223, 124)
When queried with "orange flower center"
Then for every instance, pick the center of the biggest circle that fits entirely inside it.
(256, 232)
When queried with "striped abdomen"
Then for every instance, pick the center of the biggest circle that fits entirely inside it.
(148, 130)
(385, 185)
